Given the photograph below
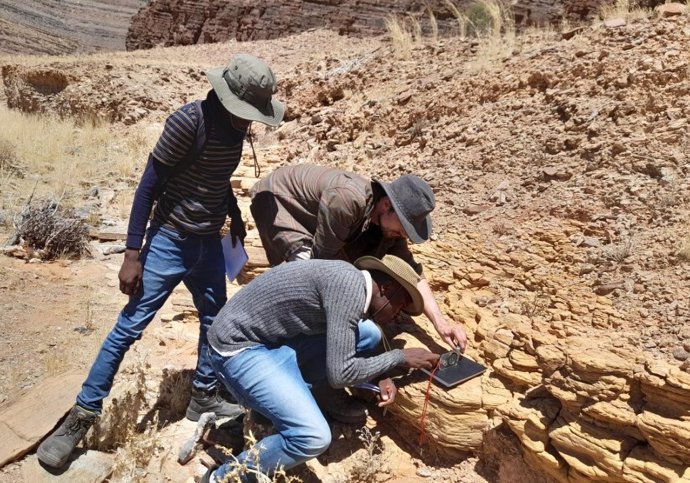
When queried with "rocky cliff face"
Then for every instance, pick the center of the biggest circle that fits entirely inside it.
(64, 26)
(185, 22)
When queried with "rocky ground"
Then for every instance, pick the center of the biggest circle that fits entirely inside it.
(560, 165)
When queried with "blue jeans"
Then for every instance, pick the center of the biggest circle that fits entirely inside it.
(168, 258)
(275, 382)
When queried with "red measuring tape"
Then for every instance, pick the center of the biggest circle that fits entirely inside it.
(422, 428)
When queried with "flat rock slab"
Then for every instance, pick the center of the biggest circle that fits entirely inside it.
(86, 467)
(25, 421)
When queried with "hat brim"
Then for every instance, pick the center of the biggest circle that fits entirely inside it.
(417, 233)
(271, 115)
(416, 307)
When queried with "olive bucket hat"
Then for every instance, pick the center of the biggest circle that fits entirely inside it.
(413, 201)
(399, 270)
(245, 87)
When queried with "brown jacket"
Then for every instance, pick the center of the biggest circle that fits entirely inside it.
(324, 208)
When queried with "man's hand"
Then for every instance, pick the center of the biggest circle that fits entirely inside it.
(388, 392)
(453, 335)
(420, 358)
(237, 229)
(130, 273)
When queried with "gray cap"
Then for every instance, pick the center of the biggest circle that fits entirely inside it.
(245, 88)
(413, 201)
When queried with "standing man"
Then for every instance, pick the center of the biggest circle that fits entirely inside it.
(307, 211)
(187, 175)
(296, 325)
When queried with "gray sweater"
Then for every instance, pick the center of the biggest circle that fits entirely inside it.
(304, 298)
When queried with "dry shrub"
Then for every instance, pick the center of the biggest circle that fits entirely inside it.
(241, 471)
(618, 252)
(372, 463)
(133, 458)
(51, 233)
(117, 430)
(118, 423)
(174, 394)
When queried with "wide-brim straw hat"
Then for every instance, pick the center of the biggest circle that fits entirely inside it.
(245, 87)
(399, 270)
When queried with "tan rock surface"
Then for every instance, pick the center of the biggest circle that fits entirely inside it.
(25, 421)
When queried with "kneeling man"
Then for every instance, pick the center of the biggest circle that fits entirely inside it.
(301, 323)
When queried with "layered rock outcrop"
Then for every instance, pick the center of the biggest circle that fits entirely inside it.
(65, 26)
(584, 406)
(185, 22)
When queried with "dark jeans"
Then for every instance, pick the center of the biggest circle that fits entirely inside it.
(168, 259)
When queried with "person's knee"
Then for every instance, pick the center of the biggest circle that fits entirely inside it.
(123, 335)
(369, 336)
(311, 442)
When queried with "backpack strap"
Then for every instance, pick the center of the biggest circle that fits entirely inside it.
(197, 146)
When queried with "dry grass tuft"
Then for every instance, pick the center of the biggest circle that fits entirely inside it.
(433, 23)
(56, 362)
(65, 156)
(492, 23)
(625, 9)
(404, 34)
(460, 18)
(52, 233)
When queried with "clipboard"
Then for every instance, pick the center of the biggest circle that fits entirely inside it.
(463, 370)
(235, 257)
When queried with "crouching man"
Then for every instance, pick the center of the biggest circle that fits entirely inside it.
(301, 323)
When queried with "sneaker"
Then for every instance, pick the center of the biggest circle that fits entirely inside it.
(208, 476)
(339, 405)
(57, 448)
(211, 402)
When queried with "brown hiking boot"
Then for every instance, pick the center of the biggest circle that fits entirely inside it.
(57, 448)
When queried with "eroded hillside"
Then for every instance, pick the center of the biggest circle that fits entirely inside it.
(560, 165)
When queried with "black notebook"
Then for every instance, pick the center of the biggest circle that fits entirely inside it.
(462, 371)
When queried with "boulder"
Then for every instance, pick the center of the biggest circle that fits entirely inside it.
(26, 420)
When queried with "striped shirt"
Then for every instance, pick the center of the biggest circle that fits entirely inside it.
(305, 297)
(197, 199)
